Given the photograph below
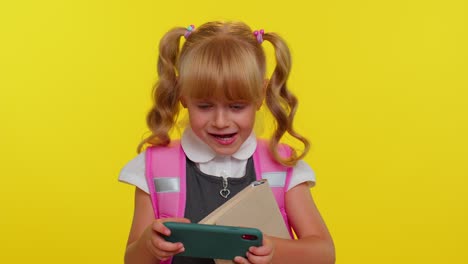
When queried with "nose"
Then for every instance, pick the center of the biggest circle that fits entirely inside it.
(221, 118)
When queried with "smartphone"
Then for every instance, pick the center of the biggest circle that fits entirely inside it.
(213, 241)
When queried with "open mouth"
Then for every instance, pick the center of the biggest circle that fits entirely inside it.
(224, 139)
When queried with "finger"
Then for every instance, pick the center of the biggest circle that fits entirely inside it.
(241, 260)
(155, 251)
(258, 259)
(159, 226)
(160, 244)
(161, 253)
(261, 251)
(164, 255)
(266, 249)
(176, 219)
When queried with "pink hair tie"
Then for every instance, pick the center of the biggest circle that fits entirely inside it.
(259, 35)
(189, 31)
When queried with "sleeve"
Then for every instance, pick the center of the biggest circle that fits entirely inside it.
(302, 172)
(134, 173)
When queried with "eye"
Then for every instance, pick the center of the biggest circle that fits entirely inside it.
(237, 106)
(204, 106)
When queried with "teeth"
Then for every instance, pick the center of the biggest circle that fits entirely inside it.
(224, 136)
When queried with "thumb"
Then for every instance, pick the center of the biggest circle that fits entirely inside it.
(175, 219)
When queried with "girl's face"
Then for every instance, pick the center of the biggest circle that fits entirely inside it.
(223, 125)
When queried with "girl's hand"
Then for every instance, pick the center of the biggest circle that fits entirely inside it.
(156, 244)
(258, 255)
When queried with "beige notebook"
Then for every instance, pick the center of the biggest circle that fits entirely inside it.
(254, 206)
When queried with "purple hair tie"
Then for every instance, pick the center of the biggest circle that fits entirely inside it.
(259, 35)
(189, 31)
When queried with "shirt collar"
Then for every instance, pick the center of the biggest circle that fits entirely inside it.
(199, 152)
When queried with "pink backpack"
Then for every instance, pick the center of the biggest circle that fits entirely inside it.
(165, 175)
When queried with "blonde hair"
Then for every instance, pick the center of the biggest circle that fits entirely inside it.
(222, 60)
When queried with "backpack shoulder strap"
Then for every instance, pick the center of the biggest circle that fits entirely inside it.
(165, 176)
(266, 167)
(278, 176)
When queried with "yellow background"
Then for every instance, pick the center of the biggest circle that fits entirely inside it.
(383, 93)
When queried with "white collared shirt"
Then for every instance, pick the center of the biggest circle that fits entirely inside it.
(212, 164)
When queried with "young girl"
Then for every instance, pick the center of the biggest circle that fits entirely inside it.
(219, 75)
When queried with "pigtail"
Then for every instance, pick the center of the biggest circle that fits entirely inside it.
(281, 102)
(166, 92)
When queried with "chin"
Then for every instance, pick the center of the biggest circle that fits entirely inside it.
(225, 152)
